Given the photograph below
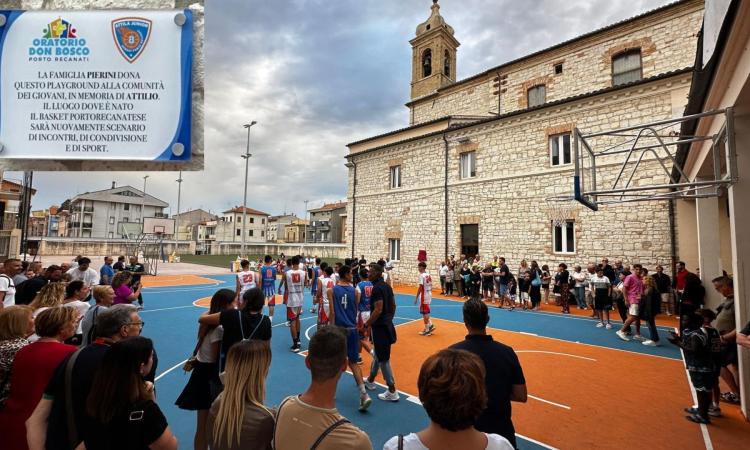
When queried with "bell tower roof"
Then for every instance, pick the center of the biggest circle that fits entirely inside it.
(434, 22)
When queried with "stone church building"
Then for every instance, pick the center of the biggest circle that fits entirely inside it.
(471, 171)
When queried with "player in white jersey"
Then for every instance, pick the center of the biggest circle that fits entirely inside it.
(295, 292)
(246, 279)
(335, 276)
(325, 284)
(424, 297)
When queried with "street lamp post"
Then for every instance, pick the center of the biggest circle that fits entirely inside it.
(246, 157)
(177, 221)
(143, 201)
(306, 221)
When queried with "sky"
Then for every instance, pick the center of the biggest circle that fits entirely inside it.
(318, 74)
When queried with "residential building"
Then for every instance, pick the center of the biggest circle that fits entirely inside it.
(472, 171)
(275, 227)
(188, 222)
(99, 214)
(325, 223)
(295, 231)
(231, 228)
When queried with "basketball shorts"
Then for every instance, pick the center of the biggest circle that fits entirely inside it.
(292, 313)
(314, 288)
(424, 307)
(269, 291)
(634, 309)
(323, 318)
(352, 344)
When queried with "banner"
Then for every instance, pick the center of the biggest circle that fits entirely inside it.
(96, 85)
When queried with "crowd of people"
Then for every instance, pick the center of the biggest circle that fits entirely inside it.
(77, 375)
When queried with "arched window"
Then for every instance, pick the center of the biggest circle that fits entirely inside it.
(447, 64)
(427, 63)
(626, 67)
(536, 95)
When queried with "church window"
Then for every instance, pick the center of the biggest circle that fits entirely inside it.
(468, 165)
(564, 237)
(447, 64)
(427, 63)
(626, 67)
(395, 177)
(537, 95)
(559, 149)
(394, 249)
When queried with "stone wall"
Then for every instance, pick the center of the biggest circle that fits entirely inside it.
(197, 158)
(92, 246)
(514, 176)
(667, 41)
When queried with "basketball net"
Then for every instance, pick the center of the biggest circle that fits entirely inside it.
(560, 211)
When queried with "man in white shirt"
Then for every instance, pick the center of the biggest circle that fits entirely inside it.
(12, 267)
(83, 272)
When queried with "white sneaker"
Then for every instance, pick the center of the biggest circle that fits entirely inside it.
(622, 335)
(370, 386)
(608, 326)
(650, 343)
(364, 402)
(389, 396)
(639, 337)
(599, 325)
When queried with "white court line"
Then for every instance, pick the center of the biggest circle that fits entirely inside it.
(555, 353)
(192, 289)
(165, 309)
(559, 405)
(307, 331)
(536, 442)
(704, 429)
(528, 334)
(179, 364)
(571, 342)
(282, 323)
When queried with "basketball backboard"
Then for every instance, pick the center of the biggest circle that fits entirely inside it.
(158, 225)
(128, 229)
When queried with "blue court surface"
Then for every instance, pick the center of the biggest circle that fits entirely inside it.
(171, 321)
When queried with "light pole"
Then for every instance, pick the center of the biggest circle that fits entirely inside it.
(305, 241)
(177, 221)
(143, 201)
(246, 157)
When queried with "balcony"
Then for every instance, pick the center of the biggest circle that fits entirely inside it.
(77, 224)
(87, 209)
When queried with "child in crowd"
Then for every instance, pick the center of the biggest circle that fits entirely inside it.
(701, 344)
(523, 295)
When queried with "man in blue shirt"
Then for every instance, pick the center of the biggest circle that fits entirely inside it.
(380, 324)
(344, 315)
(106, 273)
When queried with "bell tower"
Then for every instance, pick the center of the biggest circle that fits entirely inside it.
(433, 55)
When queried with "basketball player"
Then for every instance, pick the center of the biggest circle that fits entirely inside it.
(314, 284)
(344, 315)
(363, 292)
(324, 305)
(268, 279)
(283, 284)
(294, 292)
(246, 279)
(424, 297)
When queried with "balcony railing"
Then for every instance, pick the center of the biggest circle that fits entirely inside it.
(161, 215)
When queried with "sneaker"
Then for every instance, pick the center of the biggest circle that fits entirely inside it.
(296, 348)
(691, 410)
(370, 386)
(364, 402)
(622, 335)
(730, 397)
(599, 325)
(608, 326)
(638, 337)
(714, 411)
(423, 333)
(430, 330)
(650, 343)
(697, 418)
(389, 396)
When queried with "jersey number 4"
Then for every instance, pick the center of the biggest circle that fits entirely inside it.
(344, 301)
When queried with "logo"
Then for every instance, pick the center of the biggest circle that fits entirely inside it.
(131, 35)
(59, 42)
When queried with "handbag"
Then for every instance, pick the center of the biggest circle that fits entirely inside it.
(193, 360)
(536, 282)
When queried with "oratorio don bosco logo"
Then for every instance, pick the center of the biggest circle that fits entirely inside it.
(59, 42)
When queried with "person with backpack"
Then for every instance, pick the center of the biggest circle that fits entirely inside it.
(26, 291)
(310, 420)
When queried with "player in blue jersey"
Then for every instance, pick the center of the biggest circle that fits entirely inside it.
(344, 314)
(363, 291)
(316, 272)
(268, 281)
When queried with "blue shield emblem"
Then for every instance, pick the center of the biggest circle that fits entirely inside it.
(131, 35)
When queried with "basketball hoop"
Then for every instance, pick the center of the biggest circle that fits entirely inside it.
(561, 210)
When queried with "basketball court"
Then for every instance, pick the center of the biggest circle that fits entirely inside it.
(587, 388)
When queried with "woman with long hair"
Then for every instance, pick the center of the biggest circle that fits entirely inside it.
(562, 280)
(50, 296)
(238, 418)
(16, 325)
(204, 383)
(33, 367)
(123, 292)
(121, 404)
(651, 301)
(535, 285)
